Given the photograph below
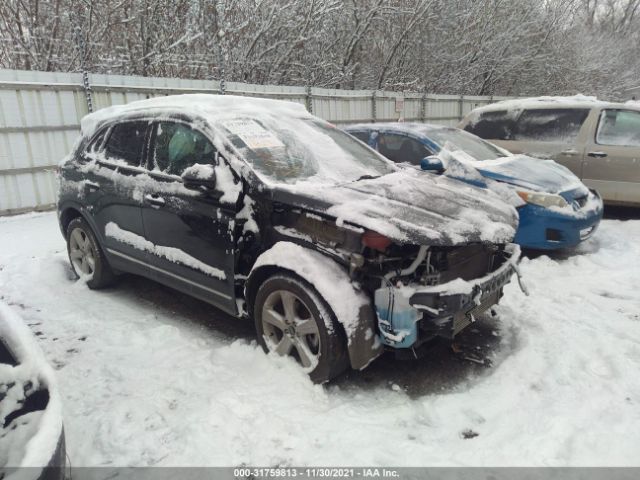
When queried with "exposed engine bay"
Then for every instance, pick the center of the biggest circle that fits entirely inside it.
(419, 292)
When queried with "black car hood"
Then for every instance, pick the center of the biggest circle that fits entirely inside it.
(410, 207)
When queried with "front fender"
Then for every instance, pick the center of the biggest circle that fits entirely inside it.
(351, 306)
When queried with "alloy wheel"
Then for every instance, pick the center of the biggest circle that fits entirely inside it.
(82, 253)
(290, 328)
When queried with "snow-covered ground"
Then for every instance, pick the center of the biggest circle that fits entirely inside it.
(151, 377)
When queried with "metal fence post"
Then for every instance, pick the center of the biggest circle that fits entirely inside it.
(221, 62)
(460, 107)
(374, 112)
(423, 107)
(82, 50)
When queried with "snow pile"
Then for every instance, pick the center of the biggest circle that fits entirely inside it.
(29, 440)
(151, 378)
(170, 253)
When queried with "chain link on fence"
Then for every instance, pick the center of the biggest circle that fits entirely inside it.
(82, 53)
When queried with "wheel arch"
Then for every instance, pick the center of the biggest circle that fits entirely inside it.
(67, 215)
(285, 257)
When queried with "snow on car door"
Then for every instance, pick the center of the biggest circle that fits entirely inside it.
(115, 179)
(190, 232)
(612, 158)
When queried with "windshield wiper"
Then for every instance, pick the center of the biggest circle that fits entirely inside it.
(367, 177)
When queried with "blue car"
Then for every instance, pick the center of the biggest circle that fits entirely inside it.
(557, 210)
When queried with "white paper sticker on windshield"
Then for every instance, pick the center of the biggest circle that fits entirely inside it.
(253, 134)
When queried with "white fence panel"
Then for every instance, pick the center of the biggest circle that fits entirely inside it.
(40, 116)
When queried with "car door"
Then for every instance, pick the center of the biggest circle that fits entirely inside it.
(552, 133)
(113, 196)
(612, 156)
(190, 231)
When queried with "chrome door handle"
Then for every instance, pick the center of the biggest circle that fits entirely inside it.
(597, 154)
(155, 201)
(569, 152)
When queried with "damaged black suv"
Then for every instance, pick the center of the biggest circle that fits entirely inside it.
(270, 213)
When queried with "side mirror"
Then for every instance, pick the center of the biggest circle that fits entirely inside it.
(432, 163)
(199, 177)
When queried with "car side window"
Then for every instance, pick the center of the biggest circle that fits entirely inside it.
(178, 146)
(126, 142)
(363, 136)
(496, 125)
(619, 127)
(95, 144)
(550, 125)
(400, 148)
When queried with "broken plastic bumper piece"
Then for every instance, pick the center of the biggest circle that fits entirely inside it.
(441, 310)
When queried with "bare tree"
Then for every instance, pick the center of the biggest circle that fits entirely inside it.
(483, 47)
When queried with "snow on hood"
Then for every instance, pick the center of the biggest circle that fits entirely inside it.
(517, 170)
(34, 443)
(411, 207)
(531, 173)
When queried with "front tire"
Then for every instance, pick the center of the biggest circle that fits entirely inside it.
(87, 258)
(291, 318)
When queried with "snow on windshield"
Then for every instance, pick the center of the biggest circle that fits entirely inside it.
(461, 140)
(289, 150)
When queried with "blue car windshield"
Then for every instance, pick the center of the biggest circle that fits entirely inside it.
(461, 140)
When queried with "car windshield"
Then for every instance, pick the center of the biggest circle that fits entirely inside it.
(461, 140)
(291, 150)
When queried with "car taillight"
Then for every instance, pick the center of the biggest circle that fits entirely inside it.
(375, 240)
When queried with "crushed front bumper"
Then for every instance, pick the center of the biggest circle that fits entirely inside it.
(411, 315)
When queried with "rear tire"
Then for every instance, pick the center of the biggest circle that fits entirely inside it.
(291, 318)
(86, 256)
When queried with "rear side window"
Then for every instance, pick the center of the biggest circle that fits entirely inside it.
(496, 125)
(178, 146)
(126, 142)
(96, 143)
(400, 148)
(550, 125)
(619, 127)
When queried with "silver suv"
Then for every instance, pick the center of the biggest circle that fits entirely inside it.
(597, 141)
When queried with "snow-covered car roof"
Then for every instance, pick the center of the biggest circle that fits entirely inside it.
(575, 101)
(409, 127)
(207, 106)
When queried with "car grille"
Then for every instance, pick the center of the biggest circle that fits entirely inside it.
(463, 320)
